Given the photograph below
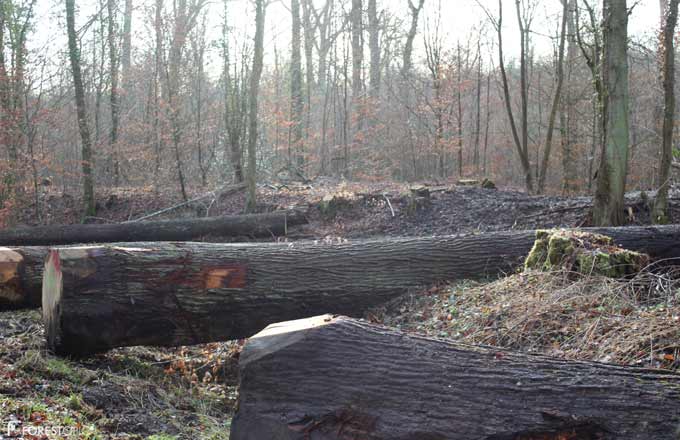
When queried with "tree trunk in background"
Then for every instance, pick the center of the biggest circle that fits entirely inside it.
(114, 97)
(374, 47)
(569, 112)
(126, 55)
(478, 108)
(608, 208)
(459, 74)
(524, 93)
(258, 59)
(411, 36)
(189, 293)
(660, 212)
(556, 102)
(295, 145)
(81, 108)
(335, 378)
(308, 38)
(519, 145)
(356, 19)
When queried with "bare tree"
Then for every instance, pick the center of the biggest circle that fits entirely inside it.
(410, 37)
(556, 100)
(114, 95)
(374, 48)
(520, 144)
(608, 208)
(81, 108)
(256, 74)
(295, 144)
(660, 211)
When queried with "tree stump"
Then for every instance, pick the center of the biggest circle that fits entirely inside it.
(586, 253)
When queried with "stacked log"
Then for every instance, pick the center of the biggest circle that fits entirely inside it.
(251, 225)
(99, 297)
(335, 378)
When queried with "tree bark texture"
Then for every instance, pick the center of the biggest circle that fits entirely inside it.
(253, 225)
(660, 213)
(21, 277)
(81, 109)
(100, 297)
(333, 378)
(608, 208)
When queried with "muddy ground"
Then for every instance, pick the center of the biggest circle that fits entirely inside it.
(190, 392)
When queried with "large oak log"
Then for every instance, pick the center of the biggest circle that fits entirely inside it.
(251, 225)
(21, 277)
(335, 378)
(99, 297)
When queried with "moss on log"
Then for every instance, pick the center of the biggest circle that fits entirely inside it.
(587, 253)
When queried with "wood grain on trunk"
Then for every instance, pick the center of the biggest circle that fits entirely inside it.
(187, 293)
(335, 378)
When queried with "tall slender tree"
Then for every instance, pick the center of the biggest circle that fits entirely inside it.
(256, 74)
(608, 208)
(660, 211)
(81, 109)
(114, 93)
(295, 145)
(556, 100)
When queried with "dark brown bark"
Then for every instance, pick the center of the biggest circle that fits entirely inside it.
(256, 74)
(21, 277)
(556, 101)
(411, 36)
(254, 225)
(660, 213)
(114, 97)
(295, 146)
(519, 145)
(81, 109)
(328, 378)
(188, 293)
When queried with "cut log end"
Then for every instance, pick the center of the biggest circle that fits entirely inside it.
(335, 378)
(280, 335)
(11, 294)
(51, 300)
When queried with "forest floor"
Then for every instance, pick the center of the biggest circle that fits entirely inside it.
(190, 392)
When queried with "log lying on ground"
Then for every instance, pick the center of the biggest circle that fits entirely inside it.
(252, 225)
(100, 297)
(335, 378)
(21, 277)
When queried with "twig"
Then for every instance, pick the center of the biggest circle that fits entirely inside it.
(204, 196)
(389, 204)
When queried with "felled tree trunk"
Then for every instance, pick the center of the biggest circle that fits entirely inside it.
(21, 277)
(335, 378)
(100, 297)
(254, 225)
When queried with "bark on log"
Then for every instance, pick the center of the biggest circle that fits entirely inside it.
(100, 297)
(253, 225)
(335, 378)
(21, 277)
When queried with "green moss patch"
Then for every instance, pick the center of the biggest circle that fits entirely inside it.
(582, 252)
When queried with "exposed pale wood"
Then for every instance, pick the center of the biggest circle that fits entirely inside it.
(188, 293)
(335, 378)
